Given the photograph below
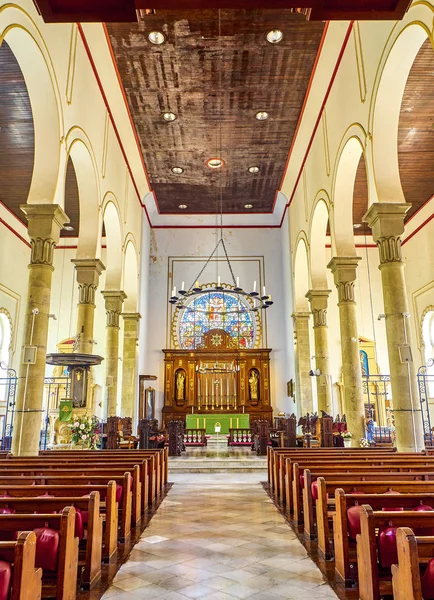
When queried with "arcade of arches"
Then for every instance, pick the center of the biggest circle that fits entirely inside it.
(95, 232)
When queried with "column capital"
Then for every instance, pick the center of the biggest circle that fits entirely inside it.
(44, 224)
(344, 270)
(318, 300)
(387, 223)
(113, 306)
(88, 271)
(134, 316)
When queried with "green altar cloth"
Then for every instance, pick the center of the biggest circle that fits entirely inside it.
(208, 421)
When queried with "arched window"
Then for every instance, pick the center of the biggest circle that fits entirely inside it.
(216, 310)
(428, 342)
(5, 339)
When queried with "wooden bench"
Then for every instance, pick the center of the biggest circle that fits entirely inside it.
(107, 492)
(62, 582)
(90, 566)
(26, 581)
(327, 471)
(344, 540)
(375, 581)
(326, 496)
(413, 552)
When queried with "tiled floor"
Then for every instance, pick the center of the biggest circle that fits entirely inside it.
(218, 537)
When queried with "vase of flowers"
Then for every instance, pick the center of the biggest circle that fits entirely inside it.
(85, 431)
(347, 435)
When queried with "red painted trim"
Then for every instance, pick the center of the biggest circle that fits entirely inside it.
(357, 245)
(104, 97)
(421, 226)
(213, 227)
(13, 214)
(71, 247)
(324, 102)
(306, 96)
(12, 230)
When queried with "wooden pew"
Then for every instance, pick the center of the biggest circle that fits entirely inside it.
(329, 471)
(63, 584)
(91, 565)
(107, 492)
(401, 464)
(412, 553)
(343, 546)
(372, 583)
(87, 475)
(26, 579)
(326, 495)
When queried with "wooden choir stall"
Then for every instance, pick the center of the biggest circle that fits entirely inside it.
(217, 384)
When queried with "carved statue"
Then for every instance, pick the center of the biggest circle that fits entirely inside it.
(253, 385)
(180, 378)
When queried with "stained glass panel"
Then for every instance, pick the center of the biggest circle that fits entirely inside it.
(216, 310)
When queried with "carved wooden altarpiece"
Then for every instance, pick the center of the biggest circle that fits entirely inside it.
(217, 378)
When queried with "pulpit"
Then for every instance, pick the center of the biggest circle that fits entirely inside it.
(217, 378)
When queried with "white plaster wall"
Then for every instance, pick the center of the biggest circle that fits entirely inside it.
(244, 247)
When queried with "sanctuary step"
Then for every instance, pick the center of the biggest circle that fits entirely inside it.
(216, 457)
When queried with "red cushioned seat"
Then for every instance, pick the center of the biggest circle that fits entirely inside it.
(119, 491)
(353, 516)
(301, 481)
(79, 523)
(427, 581)
(5, 580)
(47, 548)
(387, 551)
(424, 530)
(7, 536)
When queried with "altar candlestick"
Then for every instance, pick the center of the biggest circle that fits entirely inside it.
(263, 290)
(218, 280)
(254, 286)
(183, 283)
(238, 282)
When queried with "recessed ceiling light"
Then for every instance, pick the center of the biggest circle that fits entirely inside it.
(274, 36)
(357, 225)
(248, 206)
(68, 228)
(177, 170)
(261, 115)
(169, 116)
(214, 163)
(253, 170)
(156, 37)
(182, 206)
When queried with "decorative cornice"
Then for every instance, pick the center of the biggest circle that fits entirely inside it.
(42, 251)
(390, 249)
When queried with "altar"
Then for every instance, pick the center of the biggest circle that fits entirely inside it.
(226, 422)
(217, 379)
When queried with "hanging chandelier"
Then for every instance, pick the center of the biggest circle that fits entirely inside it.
(248, 301)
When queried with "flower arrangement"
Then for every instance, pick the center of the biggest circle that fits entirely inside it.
(347, 435)
(85, 430)
(364, 443)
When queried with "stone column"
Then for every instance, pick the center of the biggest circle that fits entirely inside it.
(344, 271)
(88, 271)
(113, 306)
(318, 304)
(44, 224)
(387, 223)
(302, 361)
(129, 364)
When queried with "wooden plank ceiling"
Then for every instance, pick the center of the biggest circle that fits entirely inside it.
(17, 144)
(216, 83)
(415, 141)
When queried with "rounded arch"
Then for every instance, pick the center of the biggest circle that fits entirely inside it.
(79, 148)
(318, 239)
(6, 337)
(26, 43)
(301, 275)
(347, 163)
(112, 223)
(387, 98)
(131, 275)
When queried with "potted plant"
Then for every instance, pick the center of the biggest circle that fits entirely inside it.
(85, 431)
(347, 435)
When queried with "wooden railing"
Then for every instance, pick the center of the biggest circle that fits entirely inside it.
(240, 437)
(195, 437)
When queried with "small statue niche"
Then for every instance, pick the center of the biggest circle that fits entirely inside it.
(254, 388)
(180, 387)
